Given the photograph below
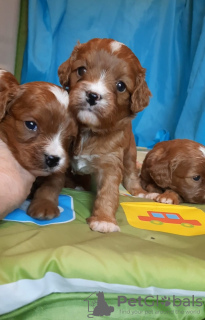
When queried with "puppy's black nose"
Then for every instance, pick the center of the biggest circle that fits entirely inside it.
(92, 97)
(52, 161)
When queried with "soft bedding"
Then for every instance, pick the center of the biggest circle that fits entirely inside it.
(152, 269)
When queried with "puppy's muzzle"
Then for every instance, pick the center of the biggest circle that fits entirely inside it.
(92, 97)
(51, 161)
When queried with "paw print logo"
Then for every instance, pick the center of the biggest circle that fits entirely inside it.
(166, 301)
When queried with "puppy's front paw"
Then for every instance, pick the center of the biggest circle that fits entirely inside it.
(102, 226)
(43, 210)
(169, 199)
(152, 195)
(139, 193)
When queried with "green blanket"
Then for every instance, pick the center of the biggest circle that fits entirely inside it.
(56, 271)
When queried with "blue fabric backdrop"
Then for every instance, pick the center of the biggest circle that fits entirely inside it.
(168, 37)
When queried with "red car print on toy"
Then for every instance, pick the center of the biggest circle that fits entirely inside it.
(166, 217)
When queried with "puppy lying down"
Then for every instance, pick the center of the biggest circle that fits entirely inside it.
(31, 143)
(175, 170)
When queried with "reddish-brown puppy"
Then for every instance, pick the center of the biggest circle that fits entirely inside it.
(107, 88)
(175, 170)
(36, 128)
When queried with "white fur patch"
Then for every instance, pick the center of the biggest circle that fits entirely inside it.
(54, 148)
(61, 95)
(102, 75)
(99, 87)
(202, 149)
(84, 138)
(115, 46)
(152, 195)
(88, 118)
(141, 195)
(83, 163)
(2, 72)
(165, 200)
(104, 226)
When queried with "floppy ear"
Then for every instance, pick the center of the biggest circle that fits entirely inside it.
(4, 100)
(161, 173)
(141, 94)
(8, 89)
(162, 170)
(64, 72)
(158, 167)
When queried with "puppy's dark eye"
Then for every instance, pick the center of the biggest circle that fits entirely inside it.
(196, 178)
(81, 71)
(31, 125)
(121, 86)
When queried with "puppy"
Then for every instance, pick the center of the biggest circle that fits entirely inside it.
(35, 133)
(107, 88)
(176, 171)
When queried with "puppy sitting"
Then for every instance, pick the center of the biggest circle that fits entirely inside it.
(35, 132)
(176, 170)
(106, 89)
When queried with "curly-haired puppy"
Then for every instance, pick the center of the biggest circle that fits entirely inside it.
(35, 133)
(175, 170)
(107, 88)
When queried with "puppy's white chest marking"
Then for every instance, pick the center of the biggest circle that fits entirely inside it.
(83, 164)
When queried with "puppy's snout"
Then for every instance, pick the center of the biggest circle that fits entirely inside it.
(92, 97)
(52, 161)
